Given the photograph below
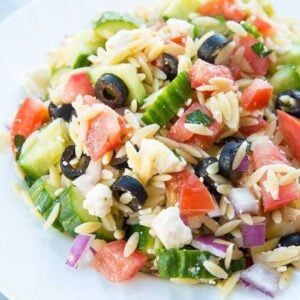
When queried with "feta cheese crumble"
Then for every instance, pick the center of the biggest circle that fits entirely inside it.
(170, 229)
(180, 27)
(99, 200)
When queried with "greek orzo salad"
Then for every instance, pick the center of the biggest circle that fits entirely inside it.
(166, 141)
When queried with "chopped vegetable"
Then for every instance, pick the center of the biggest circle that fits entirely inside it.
(261, 278)
(198, 117)
(80, 246)
(263, 26)
(64, 111)
(290, 127)
(207, 243)
(292, 239)
(253, 235)
(32, 114)
(289, 102)
(250, 129)
(168, 64)
(261, 50)
(110, 261)
(243, 201)
(257, 95)
(249, 27)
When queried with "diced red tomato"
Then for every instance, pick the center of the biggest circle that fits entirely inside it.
(32, 114)
(111, 262)
(201, 72)
(179, 40)
(290, 128)
(104, 133)
(235, 70)
(77, 84)
(194, 197)
(263, 26)
(179, 133)
(227, 8)
(248, 130)
(267, 154)
(259, 65)
(257, 95)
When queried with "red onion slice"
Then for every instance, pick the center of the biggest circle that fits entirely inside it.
(253, 235)
(243, 201)
(207, 243)
(80, 246)
(244, 165)
(261, 278)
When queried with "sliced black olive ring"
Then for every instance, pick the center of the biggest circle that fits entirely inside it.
(292, 239)
(65, 111)
(111, 90)
(201, 172)
(129, 184)
(119, 163)
(70, 171)
(226, 159)
(289, 102)
(169, 65)
(211, 47)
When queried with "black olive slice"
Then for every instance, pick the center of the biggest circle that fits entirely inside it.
(65, 111)
(226, 160)
(67, 169)
(292, 239)
(289, 102)
(201, 171)
(211, 47)
(119, 163)
(111, 90)
(134, 187)
(169, 65)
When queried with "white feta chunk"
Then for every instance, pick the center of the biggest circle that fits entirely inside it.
(170, 229)
(180, 27)
(99, 200)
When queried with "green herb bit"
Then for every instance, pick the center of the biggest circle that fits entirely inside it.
(261, 50)
(199, 117)
(249, 27)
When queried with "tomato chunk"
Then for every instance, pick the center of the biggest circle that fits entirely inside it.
(259, 65)
(257, 95)
(32, 114)
(104, 133)
(263, 26)
(201, 72)
(227, 8)
(290, 128)
(179, 40)
(180, 134)
(194, 197)
(248, 130)
(111, 262)
(268, 154)
(77, 84)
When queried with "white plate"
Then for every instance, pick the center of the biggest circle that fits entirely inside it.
(31, 260)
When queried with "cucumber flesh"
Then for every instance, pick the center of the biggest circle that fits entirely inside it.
(167, 104)
(110, 23)
(56, 75)
(284, 79)
(128, 74)
(72, 213)
(43, 197)
(173, 263)
(146, 240)
(202, 28)
(180, 9)
(46, 149)
(292, 57)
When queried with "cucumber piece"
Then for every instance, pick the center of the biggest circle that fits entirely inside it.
(146, 240)
(167, 104)
(43, 197)
(292, 57)
(38, 155)
(128, 74)
(284, 79)
(56, 75)
(110, 23)
(72, 213)
(180, 9)
(201, 28)
(173, 263)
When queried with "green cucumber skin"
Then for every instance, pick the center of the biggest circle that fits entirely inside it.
(173, 263)
(146, 241)
(72, 213)
(82, 61)
(167, 104)
(180, 9)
